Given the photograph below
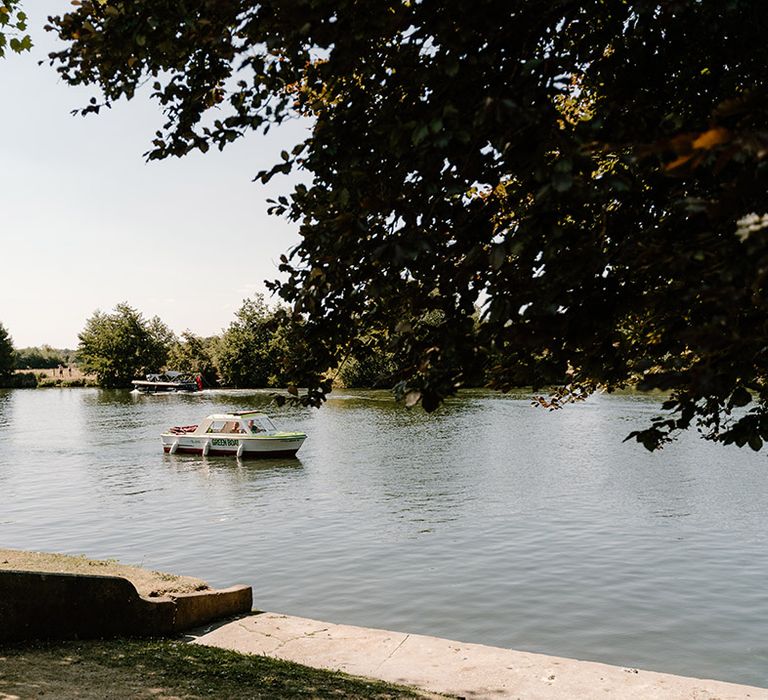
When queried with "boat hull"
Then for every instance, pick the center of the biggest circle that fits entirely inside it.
(144, 387)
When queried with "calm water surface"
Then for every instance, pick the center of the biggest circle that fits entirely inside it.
(490, 522)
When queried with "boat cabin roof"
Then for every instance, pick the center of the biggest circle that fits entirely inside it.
(237, 415)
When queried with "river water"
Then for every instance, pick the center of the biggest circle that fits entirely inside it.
(490, 521)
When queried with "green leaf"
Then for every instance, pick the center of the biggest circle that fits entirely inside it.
(436, 125)
(419, 134)
(740, 397)
(498, 256)
(562, 181)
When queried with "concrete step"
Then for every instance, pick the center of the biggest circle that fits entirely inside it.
(455, 668)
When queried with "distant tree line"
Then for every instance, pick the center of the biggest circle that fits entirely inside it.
(7, 355)
(43, 357)
(254, 351)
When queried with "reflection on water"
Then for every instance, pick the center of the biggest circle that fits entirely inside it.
(489, 521)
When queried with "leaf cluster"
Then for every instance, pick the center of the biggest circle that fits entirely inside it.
(195, 355)
(250, 351)
(13, 24)
(7, 354)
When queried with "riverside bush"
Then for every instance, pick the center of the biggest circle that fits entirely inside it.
(20, 380)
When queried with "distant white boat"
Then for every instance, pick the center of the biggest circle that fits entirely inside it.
(168, 382)
(242, 433)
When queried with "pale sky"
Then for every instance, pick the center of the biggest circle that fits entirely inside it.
(86, 223)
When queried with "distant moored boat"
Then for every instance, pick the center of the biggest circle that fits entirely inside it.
(168, 382)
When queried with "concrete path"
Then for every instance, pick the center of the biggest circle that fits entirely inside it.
(455, 668)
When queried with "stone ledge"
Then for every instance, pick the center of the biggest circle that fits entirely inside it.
(38, 605)
(199, 607)
(148, 583)
(448, 667)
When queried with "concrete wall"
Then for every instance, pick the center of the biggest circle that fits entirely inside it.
(37, 605)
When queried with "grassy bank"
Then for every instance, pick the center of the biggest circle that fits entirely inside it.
(44, 378)
(162, 669)
(91, 670)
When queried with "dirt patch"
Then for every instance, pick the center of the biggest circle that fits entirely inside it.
(148, 583)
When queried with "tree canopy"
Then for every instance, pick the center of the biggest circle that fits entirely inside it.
(248, 354)
(44, 357)
(195, 355)
(7, 354)
(123, 345)
(590, 175)
(13, 25)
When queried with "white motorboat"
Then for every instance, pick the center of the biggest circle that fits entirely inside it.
(242, 433)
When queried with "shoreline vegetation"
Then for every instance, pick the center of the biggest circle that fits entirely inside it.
(76, 379)
(254, 351)
(67, 377)
(157, 668)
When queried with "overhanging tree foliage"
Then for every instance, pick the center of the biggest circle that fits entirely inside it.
(591, 174)
(13, 25)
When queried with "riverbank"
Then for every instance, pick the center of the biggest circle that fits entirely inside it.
(170, 668)
(274, 655)
(67, 377)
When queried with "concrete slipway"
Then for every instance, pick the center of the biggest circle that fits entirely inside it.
(454, 668)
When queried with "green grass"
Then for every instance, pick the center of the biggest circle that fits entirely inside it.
(131, 668)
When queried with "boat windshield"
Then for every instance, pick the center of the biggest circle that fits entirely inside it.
(260, 424)
(222, 426)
